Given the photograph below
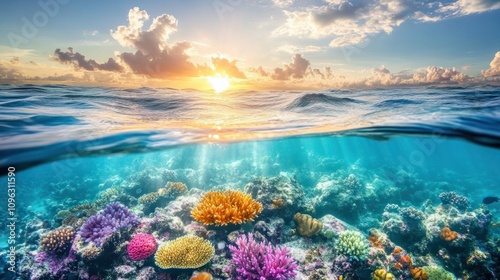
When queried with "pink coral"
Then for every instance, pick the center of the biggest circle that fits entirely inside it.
(141, 246)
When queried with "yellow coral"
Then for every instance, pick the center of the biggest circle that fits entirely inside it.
(307, 225)
(184, 252)
(148, 198)
(381, 274)
(222, 208)
(176, 187)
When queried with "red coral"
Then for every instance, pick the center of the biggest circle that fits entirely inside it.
(141, 246)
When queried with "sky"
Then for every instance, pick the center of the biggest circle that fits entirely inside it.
(251, 44)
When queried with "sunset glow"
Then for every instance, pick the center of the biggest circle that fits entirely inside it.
(219, 83)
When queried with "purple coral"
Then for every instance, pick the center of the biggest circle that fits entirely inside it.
(99, 227)
(261, 261)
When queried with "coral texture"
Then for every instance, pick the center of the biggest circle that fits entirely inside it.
(307, 225)
(141, 246)
(99, 227)
(184, 252)
(260, 260)
(452, 198)
(437, 273)
(447, 234)
(352, 244)
(228, 207)
(381, 274)
(148, 198)
(58, 240)
(202, 276)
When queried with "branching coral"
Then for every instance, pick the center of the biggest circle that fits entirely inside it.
(447, 234)
(99, 227)
(184, 252)
(149, 198)
(229, 207)
(352, 244)
(175, 188)
(307, 225)
(58, 240)
(261, 261)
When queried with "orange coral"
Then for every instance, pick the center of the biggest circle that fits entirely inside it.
(202, 276)
(375, 240)
(418, 273)
(448, 235)
(279, 203)
(397, 250)
(398, 266)
(405, 260)
(228, 207)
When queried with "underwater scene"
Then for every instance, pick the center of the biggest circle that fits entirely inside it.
(110, 183)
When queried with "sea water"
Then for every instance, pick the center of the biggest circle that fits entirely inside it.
(67, 145)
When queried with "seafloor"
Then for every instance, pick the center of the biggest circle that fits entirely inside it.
(353, 224)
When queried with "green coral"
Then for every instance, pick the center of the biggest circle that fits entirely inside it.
(438, 273)
(352, 244)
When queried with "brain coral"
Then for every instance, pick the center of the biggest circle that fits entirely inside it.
(141, 246)
(184, 252)
(307, 225)
(222, 208)
(352, 244)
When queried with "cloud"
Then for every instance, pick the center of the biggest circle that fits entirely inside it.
(494, 70)
(352, 22)
(79, 61)
(154, 57)
(467, 7)
(223, 65)
(294, 70)
(430, 75)
(282, 3)
(294, 49)
(348, 23)
(259, 71)
(9, 75)
(439, 75)
(15, 61)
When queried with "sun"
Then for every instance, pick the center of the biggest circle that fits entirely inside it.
(219, 83)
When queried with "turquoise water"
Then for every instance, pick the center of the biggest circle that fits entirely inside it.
(401, 146)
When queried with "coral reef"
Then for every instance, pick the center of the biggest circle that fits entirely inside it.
(352, 244)
(184, 252)
(447, 234)
(437, 273)
(307, 225)
(58, 240)
(452, 198)
(254, 260)
(381, 274)
(280, 196)
(141, 246)
(228, 207)
(99, 227)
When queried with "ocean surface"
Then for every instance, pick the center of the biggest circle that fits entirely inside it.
(69, 145)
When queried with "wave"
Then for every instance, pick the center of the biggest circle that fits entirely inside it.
(44, 123)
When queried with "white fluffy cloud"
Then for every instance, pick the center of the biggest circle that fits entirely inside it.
(494, 70)
(154, 57)
(351, 22)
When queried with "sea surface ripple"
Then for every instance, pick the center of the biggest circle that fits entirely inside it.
(45, 123)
